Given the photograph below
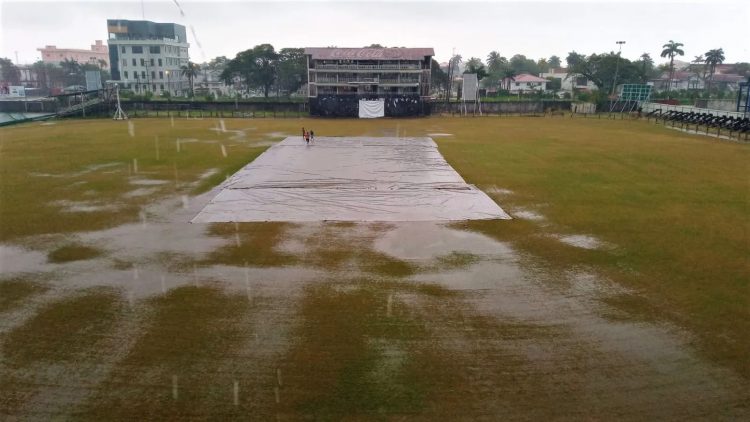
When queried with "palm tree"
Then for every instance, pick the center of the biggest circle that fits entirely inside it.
(670, 50)
(190, 70)
(495, 61)
(714, 58)
(102, 63)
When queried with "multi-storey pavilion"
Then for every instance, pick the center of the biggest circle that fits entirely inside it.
(404, 71)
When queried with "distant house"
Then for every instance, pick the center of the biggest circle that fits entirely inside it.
(208, 82)
(525, 83)
(569, 82)
(682, 80)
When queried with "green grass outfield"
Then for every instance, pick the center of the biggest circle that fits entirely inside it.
(672, 209)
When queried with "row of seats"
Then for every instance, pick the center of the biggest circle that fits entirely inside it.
(730, 123)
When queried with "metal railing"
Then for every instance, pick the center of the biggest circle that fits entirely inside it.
(366, 67)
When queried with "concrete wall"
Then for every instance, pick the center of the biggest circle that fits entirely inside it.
(724, 105)
(503, 107)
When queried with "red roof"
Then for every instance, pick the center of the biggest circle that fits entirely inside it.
(323, 53)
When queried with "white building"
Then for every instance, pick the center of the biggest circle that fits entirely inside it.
(525, 83)
(569, 82)
(147, 56)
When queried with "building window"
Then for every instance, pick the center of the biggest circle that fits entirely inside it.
(143, 74)
(137, 49)
(143, 62)
(152, 62)
(153, 87)
(161, 75)
(124, 62)
(123, 49)
(153, 74)
(154, 49)
(134, 63)
(125, 73)
(161, 86)
(159, 62)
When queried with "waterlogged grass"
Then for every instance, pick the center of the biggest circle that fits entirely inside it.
(674, 206)
(75, 175)
(354, 356)
(65, 329)
(191, 333)
(14, 292)
(73, 252)
(253, 244)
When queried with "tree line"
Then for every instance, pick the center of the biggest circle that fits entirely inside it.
(602, 69)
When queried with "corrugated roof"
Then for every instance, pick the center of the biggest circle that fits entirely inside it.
(324, 53)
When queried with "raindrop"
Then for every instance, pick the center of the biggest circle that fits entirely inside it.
(389, 306)
(223, 151)
(174, 387)
(135, 165)
(135, 273)
(276, 394)
(236, 393)
(142, 214)
(177, 144)
(131, 129)
(171, 118)
(278, 377)
(185, 201)
(222, 125)
(156, 141)
(237, 239)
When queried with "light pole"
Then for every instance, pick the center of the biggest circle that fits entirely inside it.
(617, 67)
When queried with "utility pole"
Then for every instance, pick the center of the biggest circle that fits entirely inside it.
(617, 67)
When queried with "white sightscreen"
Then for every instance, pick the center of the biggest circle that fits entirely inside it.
(470, 87)
(369, 109)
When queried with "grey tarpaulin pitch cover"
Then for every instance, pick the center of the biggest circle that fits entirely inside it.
(349, 179)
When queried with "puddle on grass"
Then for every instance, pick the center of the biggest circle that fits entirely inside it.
(525, 214)
(147, 182)
(14, 259)
(498, 190)
(83, 206)
(572, 351)
(581, 241)
(140, 192)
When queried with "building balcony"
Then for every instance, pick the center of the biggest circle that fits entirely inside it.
(366, 67)
(365, 81)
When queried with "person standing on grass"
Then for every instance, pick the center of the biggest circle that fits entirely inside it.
(307, 138)
(312, 135)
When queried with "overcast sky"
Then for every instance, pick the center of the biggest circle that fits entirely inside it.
(534, 28)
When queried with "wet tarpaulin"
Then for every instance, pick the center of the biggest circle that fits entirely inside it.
(349, 179)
